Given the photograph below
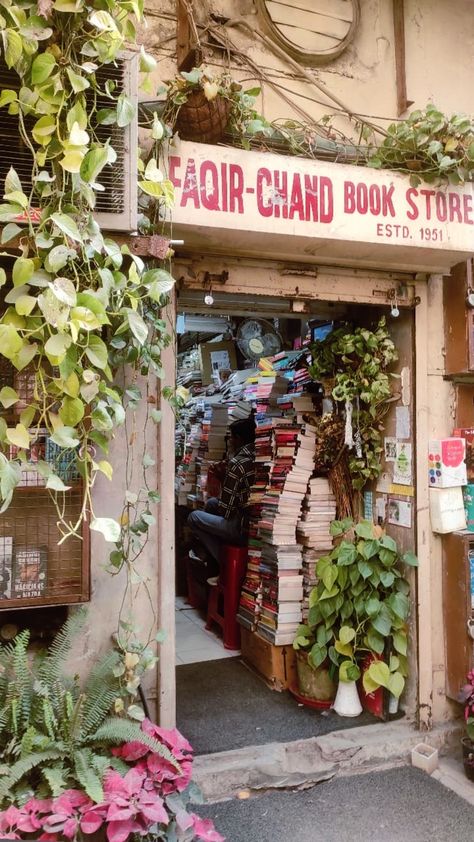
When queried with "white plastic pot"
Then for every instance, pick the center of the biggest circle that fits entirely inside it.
(347, 702)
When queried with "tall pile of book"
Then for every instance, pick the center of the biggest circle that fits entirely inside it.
(319, 509)
(214, 431)
(291, 467)
(186, 475)
(251, 593)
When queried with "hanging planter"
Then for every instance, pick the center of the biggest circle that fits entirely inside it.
(203, 107)
(203, 120)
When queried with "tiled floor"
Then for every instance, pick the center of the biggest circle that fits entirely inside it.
(193, 642)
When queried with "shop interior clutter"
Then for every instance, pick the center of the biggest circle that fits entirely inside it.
(234, 368)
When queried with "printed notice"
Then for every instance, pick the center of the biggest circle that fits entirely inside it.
(402, 414)
(402, 470)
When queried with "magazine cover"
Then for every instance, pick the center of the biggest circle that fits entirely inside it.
(30, 572)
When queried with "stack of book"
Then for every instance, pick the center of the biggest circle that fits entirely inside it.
(251, 593)
(213, 445)
(282, 593)
(319, 509)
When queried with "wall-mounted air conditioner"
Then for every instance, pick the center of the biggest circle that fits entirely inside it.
(116, 207)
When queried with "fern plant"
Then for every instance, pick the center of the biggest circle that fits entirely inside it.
(55, 734)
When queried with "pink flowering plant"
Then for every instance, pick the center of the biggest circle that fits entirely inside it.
(147, 798)
(467, 698)
(69, 768)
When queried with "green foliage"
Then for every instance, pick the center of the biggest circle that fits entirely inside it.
(357, 361)
(430, 146)
(244, 120)
(79, 305)
(360, 606)
(55, 734)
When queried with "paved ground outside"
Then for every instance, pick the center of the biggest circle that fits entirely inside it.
(399, 805)
(221, 705)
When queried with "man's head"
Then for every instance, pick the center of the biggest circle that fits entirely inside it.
(242, 432)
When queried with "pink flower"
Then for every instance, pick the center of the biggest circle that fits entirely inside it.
(205, 830)
(93, 818)
(131, 808)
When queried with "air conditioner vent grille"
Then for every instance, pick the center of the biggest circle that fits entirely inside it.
(115, 202)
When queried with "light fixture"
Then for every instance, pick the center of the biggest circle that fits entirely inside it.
(209, 299)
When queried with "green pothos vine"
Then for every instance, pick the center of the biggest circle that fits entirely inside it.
(79, 309)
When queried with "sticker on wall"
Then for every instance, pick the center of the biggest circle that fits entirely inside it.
(402, 415)
(405, 381)
(402, 470)
(406, 490)
(368, 505)
(381, 508)
(399, 512)
(390, 448)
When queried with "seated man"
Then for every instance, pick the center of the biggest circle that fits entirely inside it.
(224, 520)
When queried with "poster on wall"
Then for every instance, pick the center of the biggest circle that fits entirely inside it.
(402, 466)
(399, 512)
(390, 449)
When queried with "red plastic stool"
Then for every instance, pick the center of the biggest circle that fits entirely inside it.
(223, 601)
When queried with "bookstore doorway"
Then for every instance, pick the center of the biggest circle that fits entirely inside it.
(239, 680)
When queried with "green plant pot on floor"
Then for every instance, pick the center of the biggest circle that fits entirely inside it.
(314, 683)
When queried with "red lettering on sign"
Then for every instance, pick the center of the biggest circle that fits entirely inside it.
(349, 197)
(264, 179)
(311, 212)
(236, 188)
(428, 195)
(190, 187)
(387, 200)
(280, 199)
(174, 164)
(413, 213)
(225, 206)
(326, 200)
(375, 201)
(454, 207)
(467, 204)
(296, 200)
(209, 183)
(441, 207)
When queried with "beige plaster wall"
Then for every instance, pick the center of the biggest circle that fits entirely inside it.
(107, 598)
(439, 39)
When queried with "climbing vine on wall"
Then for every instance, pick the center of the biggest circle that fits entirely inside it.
(78, 306)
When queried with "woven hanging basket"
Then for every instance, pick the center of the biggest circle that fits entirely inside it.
(203, 120)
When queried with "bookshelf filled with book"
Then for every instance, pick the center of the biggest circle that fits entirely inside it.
(37, 567)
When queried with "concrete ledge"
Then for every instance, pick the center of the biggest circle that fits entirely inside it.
(303, 763)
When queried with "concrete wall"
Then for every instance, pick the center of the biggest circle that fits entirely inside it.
(108, 592)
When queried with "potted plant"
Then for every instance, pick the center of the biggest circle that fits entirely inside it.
(201, 106)
(70, 767)
(352, 364)
(467, 698)
(360, 608)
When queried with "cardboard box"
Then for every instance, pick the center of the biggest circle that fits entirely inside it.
(446, 462)
(447, 513)
(214, 356)
(275, 664)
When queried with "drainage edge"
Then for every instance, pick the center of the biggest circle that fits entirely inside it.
(302, 763)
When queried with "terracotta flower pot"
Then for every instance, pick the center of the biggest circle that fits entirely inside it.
(468, 757)
(314, 683)
(203, 120)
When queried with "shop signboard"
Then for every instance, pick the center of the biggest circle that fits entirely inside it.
(235, 201)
